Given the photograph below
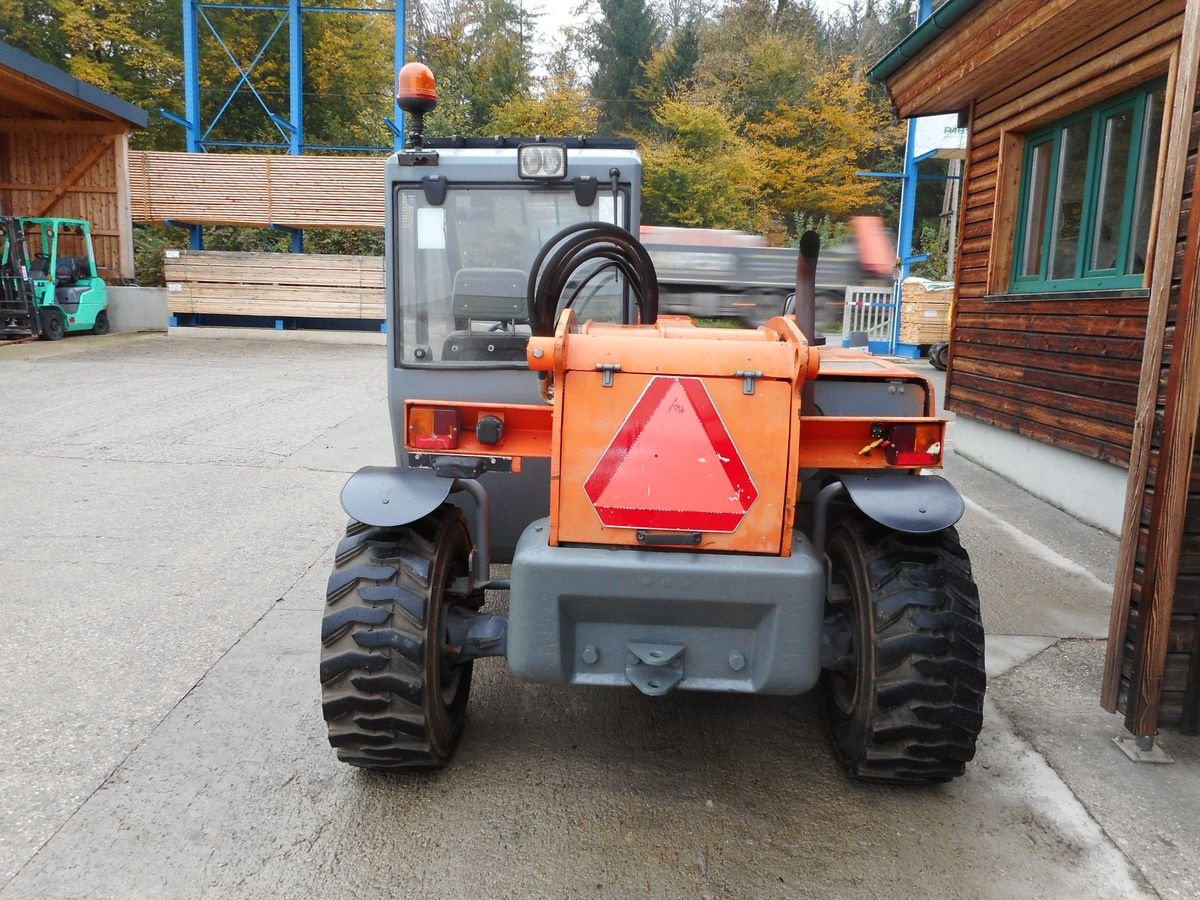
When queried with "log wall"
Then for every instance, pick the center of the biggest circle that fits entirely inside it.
(1063, 369)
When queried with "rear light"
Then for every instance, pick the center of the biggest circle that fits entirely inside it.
(433, 428)
(913, 445)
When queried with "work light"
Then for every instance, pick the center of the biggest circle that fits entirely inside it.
(542, 162)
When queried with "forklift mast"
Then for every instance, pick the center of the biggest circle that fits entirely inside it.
(18, 301)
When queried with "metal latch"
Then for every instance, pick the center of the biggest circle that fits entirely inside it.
(654, 669)
(609, 369)
(748, 376)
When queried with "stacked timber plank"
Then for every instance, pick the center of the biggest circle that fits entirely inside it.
(925, 311)
(257, 189)
(280, 285)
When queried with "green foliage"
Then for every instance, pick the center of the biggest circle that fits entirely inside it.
(671, 68)
(480, 53)
(934, 241)
(830, 231)
(624, 38)
(698, 170)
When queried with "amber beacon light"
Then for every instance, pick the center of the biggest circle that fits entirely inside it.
(416, 94)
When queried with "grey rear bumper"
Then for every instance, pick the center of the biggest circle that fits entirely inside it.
(665, 619)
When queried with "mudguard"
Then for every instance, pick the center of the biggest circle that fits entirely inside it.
(388, 496)
(917, 504)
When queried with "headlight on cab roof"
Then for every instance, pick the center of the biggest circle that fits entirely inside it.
(542, 162)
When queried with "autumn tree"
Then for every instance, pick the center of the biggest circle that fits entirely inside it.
(624, 37)
(131, 48)
(480, 52)
(811, 151)
(671, 67)
(698, 170)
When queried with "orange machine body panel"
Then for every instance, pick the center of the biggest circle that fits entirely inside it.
(679, 437)
(676, 435)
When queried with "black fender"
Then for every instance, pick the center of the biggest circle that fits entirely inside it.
(387, 496)
(917, 504)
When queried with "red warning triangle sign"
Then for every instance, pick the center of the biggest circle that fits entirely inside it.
(672, 466)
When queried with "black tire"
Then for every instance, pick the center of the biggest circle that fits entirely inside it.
(389, 696)
(101, 326)
(906, 701)
(939, 355)
(54, 326)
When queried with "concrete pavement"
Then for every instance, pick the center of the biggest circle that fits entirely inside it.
(168, 522)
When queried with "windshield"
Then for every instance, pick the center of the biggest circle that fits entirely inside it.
(462, 268)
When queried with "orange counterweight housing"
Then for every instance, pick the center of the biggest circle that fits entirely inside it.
(669, 435)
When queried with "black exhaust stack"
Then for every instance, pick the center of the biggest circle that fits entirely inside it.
(806, 286)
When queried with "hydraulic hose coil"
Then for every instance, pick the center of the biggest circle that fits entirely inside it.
(575, 247)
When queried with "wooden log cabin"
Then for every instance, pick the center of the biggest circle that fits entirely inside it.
(1075, 354)
(64, 151)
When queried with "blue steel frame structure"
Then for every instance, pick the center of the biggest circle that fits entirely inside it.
(291, 129)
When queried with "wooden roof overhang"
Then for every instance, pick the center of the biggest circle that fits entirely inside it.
(978, 48)
(37, 96)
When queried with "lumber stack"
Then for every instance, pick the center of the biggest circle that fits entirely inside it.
(925, 311)
(281, 285)
(257, 190)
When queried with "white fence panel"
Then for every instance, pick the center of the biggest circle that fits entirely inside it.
(869, 310)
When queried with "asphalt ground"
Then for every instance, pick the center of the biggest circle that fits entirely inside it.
(167, 524)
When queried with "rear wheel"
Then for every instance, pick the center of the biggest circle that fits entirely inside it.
(54, 326)
(390, 696)
(906, 694)
(939, 355)
(101, 326)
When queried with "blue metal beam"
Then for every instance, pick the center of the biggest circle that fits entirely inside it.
(191, 76)
(295, 78)
(244, 73)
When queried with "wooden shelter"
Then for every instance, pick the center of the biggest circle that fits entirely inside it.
(64, 151)
(1077, 320)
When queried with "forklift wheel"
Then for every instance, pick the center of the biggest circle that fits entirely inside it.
(54, 326)
(906, 697)
(390, 697)
(101, 326)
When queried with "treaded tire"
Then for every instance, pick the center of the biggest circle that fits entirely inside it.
(101, 326)
(939, 356)
(390, 698)
(906, 706)
(54, 326)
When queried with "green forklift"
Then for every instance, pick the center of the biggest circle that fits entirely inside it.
(49, 286)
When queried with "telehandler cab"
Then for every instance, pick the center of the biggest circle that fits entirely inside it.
(683, 508)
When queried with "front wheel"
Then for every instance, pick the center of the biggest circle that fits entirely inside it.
(54, 326)
(391, 697)
(905, 694)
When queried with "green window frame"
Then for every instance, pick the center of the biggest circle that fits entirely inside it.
(1087, 191)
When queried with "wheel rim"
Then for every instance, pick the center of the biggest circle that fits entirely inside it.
(841, 622)
(449, 675)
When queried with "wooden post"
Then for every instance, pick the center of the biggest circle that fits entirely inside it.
(1170, 494)
(124, 207)
(1170, 203)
